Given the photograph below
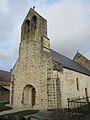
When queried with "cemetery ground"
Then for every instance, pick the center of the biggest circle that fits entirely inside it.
(7, 110)
(82, 111)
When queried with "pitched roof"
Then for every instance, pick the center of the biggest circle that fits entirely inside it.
(5, 76)
(68, 63)
(5, 88)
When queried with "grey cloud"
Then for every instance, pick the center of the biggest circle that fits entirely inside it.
(4, 6)
(69, 27)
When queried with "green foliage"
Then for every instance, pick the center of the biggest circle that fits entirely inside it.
(82, 109)
(22, 113)
(3, 107)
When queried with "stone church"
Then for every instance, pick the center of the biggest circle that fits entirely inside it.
(41, 77)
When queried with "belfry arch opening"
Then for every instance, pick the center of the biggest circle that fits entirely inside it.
(33, 22)
(27, 26)
(28, 95)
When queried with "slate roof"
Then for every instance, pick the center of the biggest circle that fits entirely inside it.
(4, 88)
(5, 76)
(68, 63)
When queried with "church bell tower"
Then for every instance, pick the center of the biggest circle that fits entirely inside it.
(32, 73)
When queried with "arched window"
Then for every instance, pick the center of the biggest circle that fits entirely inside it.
(27, 26)
(33, 22)
(77, 84)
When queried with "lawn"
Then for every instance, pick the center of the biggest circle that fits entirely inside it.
(3, 107)
(11, 115)
(22, 113)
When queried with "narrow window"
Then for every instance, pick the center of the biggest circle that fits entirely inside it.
(86, 94)
(33, 22)
(27, 26)
(77, 84)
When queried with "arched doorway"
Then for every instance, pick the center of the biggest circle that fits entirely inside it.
(28, 96)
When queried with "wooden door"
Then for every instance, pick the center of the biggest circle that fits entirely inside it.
(33, 96)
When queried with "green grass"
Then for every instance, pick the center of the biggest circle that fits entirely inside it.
(11, 115)
(3, 107)
(82, 109)
(22, 113)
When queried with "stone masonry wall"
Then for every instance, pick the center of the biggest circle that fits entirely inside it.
(34, 66)
(53, 84)
(82, 60)
(69, 85)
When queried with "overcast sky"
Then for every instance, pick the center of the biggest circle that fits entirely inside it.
(68, 26)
